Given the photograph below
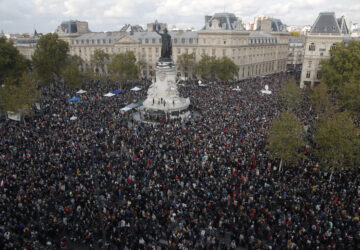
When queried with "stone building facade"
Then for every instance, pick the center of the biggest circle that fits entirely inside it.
(323, 36)
(296, 53)
(256, 53)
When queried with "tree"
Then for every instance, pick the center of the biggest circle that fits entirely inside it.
(12, 63)
(206, 67)
(295, 33)
(141, 64)
(349, 96)
(337, 141)
(186, 63)
(49, 57)
(72, 75)
(319, 98)
(19, 95)
(99, 60)
(226, 69)
(123, 67)
(285, 140)
(291, 95)
(343, 66)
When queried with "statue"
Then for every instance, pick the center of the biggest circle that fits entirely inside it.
(166, 45)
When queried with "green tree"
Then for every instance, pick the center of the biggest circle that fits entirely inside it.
(19, 95)
(291, 95)
(72, 75)
(99, 60)
(206, 67)
(12, 63)
(349, 96)
(123, 67)
(285, 140)
(186, 63)
(343, 66)
(295, 33)
(49, 57)
(141, 64)
(319, 98)
(337, 141)
(226, 69)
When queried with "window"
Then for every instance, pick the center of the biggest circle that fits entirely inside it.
(150, 50)
(186, 51)
(157, 50)
(318, 74)
(153, 40)
(322, 47)
(204, 41)
(109, 41)
(77, 41)
(140, 41)
(190, 41)
(87, 41)
(143, 50)
(98, 41)
(312, 47)
(224, 52)
(72, 41)
(224, 41)
(203, 51)
(308, 74)
(333, 46)
(183, 40)
(104, 41)
(179, 51)
(82, 41)
(309, 64)
(213, 52)
(175, 40)
(146, 40)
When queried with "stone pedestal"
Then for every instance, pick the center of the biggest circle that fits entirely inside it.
(163, 95)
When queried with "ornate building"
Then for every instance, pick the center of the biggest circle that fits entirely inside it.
(323, 36)
(256, 53)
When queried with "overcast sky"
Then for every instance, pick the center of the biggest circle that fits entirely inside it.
(19, 16)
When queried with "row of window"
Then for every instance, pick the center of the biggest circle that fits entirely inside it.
(322, 47)
(263, 41)
(174, 41)
(92, 41)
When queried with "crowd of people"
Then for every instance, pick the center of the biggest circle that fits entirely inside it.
(108, 181)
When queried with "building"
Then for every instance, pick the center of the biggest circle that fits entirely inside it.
(296, 53)
(256, 53)
(323, 36)
(27, 45)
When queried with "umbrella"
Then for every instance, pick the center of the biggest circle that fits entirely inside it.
(117, 91)
(81, 91)
(74, 99)
(109, 94)
(136, 89)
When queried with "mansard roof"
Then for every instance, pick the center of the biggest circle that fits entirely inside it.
(327, 23)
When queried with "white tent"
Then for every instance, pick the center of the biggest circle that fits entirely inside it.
(73, 118)
(81, 91)
(125, 109)
(14, 116)
(109, 94)
(236, 89)
(136, 89)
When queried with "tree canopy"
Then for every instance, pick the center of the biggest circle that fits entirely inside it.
(186, 63)
(73, 77)
(123, 66)
(50, 57)
(18, 94)
(99, 60)
(285, 140)
(343, 66)
(337, 141)
(291, 95)
(12, 63)
(226, 69)
(206, 67)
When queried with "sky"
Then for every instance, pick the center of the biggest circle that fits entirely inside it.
(24, 16)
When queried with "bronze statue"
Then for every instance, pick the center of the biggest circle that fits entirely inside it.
(166, 44)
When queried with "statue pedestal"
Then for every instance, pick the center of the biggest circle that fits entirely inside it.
(163, 95)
